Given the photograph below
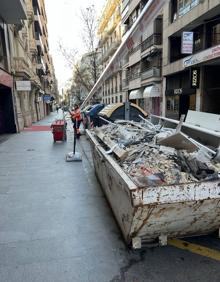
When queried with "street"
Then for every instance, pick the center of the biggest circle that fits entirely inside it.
(55, 224)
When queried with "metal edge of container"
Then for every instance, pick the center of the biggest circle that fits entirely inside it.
(147, 202)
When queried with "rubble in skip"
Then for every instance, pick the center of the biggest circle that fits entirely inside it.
(152, 155)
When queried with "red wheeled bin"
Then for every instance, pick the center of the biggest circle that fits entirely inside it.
(59, 130)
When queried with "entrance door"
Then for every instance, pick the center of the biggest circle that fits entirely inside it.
(184, 104)
(3, 99)
(7, 121)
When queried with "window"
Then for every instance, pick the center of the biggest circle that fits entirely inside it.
(216, 34)
(198, 39)
(120, 98)
(181, 7)
(3, 54)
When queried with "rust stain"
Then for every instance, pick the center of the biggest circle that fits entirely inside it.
(135, 232)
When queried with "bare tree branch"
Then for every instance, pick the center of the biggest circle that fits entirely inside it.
(85, 70)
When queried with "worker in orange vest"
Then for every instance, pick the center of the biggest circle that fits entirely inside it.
(76, 119)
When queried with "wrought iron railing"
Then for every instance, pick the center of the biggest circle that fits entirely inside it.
(154, 39)
(151, 72)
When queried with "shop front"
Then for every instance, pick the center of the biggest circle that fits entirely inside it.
(7, 117)
(208, 61)
(47, 103)
(179, 101)
(136, 97)
(180, 93)
(152, 97)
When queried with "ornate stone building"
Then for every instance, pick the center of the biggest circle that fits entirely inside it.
(26, 63)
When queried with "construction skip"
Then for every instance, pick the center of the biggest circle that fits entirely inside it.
(160, 182)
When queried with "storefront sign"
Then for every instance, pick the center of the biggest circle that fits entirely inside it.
(23, 85)
(6, 79)
(177, 91)
(187, 42)
(180, 91)
(201, 57)
(46, 98)
(194, 77)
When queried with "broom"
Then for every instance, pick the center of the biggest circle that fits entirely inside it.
(74, 156)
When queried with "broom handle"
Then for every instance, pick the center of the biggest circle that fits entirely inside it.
(74, 138)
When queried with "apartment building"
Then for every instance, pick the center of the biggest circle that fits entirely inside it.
(143, 60)
(27, 71)
(110, 33)
(191, 81)
(45, 69)
(8, 18)
(139, 55)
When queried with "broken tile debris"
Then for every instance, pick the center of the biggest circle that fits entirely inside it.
(154, 156)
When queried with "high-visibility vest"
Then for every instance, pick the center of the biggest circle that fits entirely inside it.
(76, 115)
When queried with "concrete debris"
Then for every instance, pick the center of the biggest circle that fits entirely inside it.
(179, 141)
(151, 162)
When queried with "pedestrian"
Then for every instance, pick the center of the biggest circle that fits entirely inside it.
(76, 118)
(57, 108)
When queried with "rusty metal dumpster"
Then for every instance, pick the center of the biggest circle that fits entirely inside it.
(153, 214)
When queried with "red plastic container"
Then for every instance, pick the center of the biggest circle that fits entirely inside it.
(59, 130)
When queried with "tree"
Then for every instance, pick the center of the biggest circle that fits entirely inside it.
(89, 20)
(85, 70)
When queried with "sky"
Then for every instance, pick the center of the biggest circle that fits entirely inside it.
(65, 25)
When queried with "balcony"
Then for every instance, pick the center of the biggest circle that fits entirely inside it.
(133, 5)
(110, 51)
(135, 49)
(125, 83)
(13, 11)
(21, 67)
(41, 66)
(125, 3)
(154, 39)
(108, 12)
(150, 73)
(103, 39)
(134, 76)
(135, 81)
(39, 43)
(38, 24)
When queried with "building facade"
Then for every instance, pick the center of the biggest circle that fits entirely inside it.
(26, 66)
(170, 56)
(110, 34)
(143, 61)
(191, 80)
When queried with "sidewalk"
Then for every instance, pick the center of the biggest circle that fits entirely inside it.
(55, 224)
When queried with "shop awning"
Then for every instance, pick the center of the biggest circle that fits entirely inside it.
(152, 91)
(136, 94)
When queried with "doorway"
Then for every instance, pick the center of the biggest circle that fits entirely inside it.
(7, 119)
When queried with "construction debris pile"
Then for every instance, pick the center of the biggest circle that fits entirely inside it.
(154, 155)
